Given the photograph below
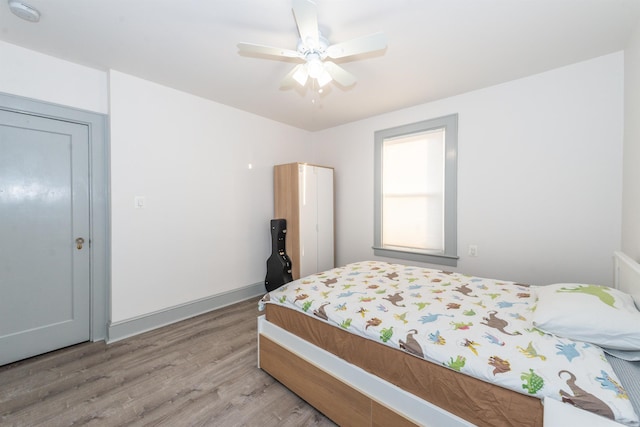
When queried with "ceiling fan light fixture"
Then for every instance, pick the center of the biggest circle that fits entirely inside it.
(314, 66)
(323, 78)
(301, 75)
(315, 69)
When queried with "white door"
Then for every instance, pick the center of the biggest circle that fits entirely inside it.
(325, 214)
(316, 219)
(44, 235)
(307, 193)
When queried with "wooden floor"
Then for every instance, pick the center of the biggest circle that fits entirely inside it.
(198, 372)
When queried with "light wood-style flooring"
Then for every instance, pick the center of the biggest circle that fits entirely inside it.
(198, 372)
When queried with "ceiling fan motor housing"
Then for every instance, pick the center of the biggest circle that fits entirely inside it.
(306, 48)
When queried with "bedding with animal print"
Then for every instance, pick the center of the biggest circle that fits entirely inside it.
(476, 326)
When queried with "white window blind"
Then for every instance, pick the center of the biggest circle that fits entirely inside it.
(415, 191)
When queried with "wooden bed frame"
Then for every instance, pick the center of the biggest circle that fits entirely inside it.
(351, 396)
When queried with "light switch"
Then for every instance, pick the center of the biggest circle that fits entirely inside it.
(139, 202)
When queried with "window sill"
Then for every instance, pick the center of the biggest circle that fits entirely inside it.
(429, 258)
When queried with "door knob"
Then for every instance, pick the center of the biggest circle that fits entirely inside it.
(79, 243)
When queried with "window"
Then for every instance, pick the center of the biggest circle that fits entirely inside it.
(415, 191)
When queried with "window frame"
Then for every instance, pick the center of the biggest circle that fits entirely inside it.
(449, 256)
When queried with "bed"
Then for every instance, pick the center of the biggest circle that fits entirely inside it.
(376, 343)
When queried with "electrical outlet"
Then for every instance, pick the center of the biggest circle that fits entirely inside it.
(473, 250)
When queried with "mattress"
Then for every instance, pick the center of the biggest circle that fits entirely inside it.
(473, 400)
(445, 324)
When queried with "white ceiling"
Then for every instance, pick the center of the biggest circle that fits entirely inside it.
(436, 49)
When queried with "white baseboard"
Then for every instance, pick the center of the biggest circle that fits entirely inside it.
(137, 325)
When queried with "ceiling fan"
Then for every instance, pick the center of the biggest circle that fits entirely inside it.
(313, 49)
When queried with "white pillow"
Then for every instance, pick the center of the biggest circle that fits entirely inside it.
(597, 314)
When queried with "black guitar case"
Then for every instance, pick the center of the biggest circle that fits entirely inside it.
(279, 263)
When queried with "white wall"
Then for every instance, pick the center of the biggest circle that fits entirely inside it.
(33, 75)
(539, 174)
(204, 228)
(631, 192)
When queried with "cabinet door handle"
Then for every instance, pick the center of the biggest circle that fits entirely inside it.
(79, 243)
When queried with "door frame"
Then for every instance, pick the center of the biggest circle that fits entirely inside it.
(99, 202)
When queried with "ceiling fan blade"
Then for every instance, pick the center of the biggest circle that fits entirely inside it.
(306, 17)
(370, 43)
(339, 74)
(298, 75)
(267, 50)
